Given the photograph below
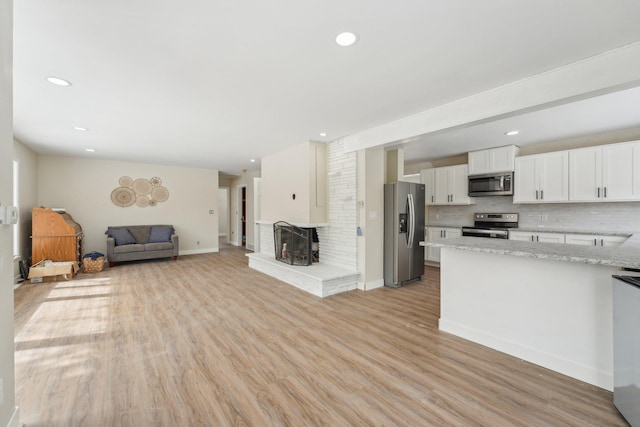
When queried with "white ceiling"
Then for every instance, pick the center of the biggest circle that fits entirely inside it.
(213, 84)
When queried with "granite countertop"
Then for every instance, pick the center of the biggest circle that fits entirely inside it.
(546, 230)
(626, 256)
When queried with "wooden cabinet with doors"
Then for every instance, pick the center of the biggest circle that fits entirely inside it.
(55, 236)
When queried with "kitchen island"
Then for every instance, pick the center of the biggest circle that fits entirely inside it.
(549, 304)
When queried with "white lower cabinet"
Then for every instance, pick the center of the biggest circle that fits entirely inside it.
(528, 236)
(594, 240)
(433, 254)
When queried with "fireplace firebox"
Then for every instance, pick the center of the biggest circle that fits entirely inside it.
(295, 245)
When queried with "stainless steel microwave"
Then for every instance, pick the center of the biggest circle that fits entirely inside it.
(500, 184)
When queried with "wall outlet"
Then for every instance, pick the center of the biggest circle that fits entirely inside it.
(210, 211)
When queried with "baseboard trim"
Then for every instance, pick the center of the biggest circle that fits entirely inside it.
(251, 247)
(550, 361)
(199, 251)
(368, 286)
(14, 421)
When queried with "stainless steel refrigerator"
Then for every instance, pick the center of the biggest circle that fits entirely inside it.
(403, 232)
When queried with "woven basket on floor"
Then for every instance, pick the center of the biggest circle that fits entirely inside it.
(93, 265)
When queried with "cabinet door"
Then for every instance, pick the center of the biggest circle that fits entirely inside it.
(581, 239)
(433, 254)
(459, 185)
(442, 194)
(451, 233)
(550, 237)
(586, 174)
(526, 185)
(501, 159)
(479, 162)
(427, 177)
(619, 162)
(553, 172)
(612, 241)
(523, 236)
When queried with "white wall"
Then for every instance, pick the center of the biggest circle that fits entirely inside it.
(7, 408)
(28, 193)
(284, 174)
(83, 187)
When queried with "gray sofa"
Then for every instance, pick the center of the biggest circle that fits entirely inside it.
(140, 242)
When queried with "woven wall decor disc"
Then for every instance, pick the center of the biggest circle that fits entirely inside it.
(160, 194)
(126, 181)
(155, 181)
(123, 196)
(142, 201)
(141, 186)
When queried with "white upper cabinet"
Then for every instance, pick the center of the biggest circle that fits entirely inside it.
(542, 178)
(428, 178)
(500, 159)
(607, 173)
(448, 185)
(452, 186)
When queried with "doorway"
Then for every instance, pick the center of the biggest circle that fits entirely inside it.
(242, 215)
(223, 217)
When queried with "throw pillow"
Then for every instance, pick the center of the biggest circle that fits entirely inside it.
(141, 234)
(121, 236)
(160, 234)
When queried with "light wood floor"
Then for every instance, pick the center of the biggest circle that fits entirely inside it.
(205, 341)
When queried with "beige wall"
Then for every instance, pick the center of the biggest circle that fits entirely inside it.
(83, 187)
(6, 237)
(27, 193)
(299, 170)
(234, 207)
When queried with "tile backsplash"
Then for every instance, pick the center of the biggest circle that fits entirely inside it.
(588, 217)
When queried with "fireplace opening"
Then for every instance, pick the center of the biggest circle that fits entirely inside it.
(295, 245)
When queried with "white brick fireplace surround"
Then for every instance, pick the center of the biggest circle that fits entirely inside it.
(320, 279)
(337, 270)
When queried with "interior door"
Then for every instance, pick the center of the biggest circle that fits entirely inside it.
(243, 218)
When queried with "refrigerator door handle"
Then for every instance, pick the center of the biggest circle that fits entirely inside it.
(412, 221)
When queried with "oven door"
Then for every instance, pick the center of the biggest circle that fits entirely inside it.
(485, 232)
(491, 185)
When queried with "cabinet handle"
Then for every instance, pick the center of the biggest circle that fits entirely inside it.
(602, 240)
(532, 237)
(431, 199)
(537, 238)
(595, 242)
(541, 194)
(441, 231)
(605, 192)
(598, 192)
(445, 233)
(536, 194)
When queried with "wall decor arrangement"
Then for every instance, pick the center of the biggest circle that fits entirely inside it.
(141, 191)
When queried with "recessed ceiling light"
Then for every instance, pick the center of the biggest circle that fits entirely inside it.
(79, 128)
(346, 39)
(512, 132)
(58, 81)
(252, 160)
(323, 134)
(90, 150)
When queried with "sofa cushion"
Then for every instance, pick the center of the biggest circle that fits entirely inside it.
(160, 246)
(121, 236)
(160, 233)
(135, 247)
(140, 233)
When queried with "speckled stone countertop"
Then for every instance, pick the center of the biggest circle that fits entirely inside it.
(626, 256)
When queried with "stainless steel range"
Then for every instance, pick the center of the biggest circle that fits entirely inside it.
(491, 225)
